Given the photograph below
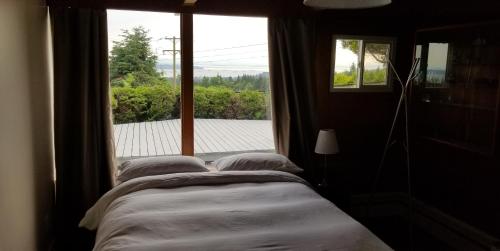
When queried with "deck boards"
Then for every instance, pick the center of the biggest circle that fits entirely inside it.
(160, 138)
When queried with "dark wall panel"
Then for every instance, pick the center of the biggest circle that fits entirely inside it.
(362, 120)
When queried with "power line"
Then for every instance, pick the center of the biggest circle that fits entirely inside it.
(228, 48)
(220, 55)
(222, 60)
(227, 54)
(230, 68)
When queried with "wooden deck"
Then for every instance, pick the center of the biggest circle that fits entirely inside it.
(212, 136)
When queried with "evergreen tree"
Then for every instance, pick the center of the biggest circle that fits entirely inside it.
(133, 55)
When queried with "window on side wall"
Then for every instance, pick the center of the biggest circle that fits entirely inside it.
(361, 63)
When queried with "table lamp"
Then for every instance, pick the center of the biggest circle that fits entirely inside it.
(326, 144)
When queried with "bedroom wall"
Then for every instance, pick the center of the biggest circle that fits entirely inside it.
(361, 119)
(26, 157)
(460, 183)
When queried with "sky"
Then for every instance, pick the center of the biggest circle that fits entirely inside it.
(438, 56)
(220, 42)
(235, 43)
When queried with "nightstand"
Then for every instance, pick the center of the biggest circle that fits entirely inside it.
(338, 188)
(340, 196)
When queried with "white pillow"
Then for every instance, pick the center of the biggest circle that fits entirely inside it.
(256, 161)
(159, 165)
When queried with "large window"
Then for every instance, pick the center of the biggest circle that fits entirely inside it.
(144, 73)
(361, 64)
(230, 80)
(231, 86)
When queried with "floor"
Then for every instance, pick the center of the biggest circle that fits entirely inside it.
(395, 233)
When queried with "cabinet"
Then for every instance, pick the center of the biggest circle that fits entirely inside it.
(455, 98)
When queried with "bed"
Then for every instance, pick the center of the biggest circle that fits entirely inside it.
(231, 210)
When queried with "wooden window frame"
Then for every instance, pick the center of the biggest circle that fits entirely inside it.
(187, 89)
(361, 61)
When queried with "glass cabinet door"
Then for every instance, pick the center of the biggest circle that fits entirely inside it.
(456, 94)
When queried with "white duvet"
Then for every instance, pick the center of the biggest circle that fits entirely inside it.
(232, 210)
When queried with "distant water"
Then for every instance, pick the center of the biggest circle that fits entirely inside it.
(436, 75)
(198, 73)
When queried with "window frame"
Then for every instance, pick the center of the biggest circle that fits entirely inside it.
(361, 61)
(187, 105)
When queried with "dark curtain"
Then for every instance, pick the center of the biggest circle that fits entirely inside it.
(82, 120)
(291, 50)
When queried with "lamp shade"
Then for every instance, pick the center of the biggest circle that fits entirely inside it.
(327, 142)
(346, 4)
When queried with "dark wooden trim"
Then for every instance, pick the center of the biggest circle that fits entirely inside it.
(215, 7)
(187, 103)
(459, 26)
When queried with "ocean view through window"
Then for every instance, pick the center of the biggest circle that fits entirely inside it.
(231, 84)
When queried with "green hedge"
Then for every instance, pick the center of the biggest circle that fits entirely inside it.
(375, 76)
(160, 102)
(144, 103)
(348, 78)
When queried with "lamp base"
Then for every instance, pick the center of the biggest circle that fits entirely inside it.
(323, 183)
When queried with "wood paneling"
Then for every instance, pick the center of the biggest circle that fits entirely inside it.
(363, 119)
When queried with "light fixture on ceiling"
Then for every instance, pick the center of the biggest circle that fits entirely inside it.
(346, 4)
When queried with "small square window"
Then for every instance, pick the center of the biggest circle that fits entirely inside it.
(361, 64)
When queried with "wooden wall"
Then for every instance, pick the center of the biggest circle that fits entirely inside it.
(460, 183)
(362, 119)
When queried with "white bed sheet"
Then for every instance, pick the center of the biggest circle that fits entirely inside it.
(233, 210)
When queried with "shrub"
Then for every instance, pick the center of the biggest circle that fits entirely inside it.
(369, 77)
(160, 102)
(253, 105)
(144, 103)
(128, 105)
(212, 102)
(374, 76)
(344, 78)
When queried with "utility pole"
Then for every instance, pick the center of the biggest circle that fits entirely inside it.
(174, 53)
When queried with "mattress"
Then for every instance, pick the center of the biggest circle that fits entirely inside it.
(232, 210)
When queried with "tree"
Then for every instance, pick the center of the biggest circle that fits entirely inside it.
(133, 55)
(379, 52)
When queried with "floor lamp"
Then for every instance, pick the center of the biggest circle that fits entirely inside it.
(403, 102)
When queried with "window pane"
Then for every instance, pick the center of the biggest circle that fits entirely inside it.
(143, 47)
(346, 63)
(376, 64)
(231, 86)
(436, 64)
(418, 55)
